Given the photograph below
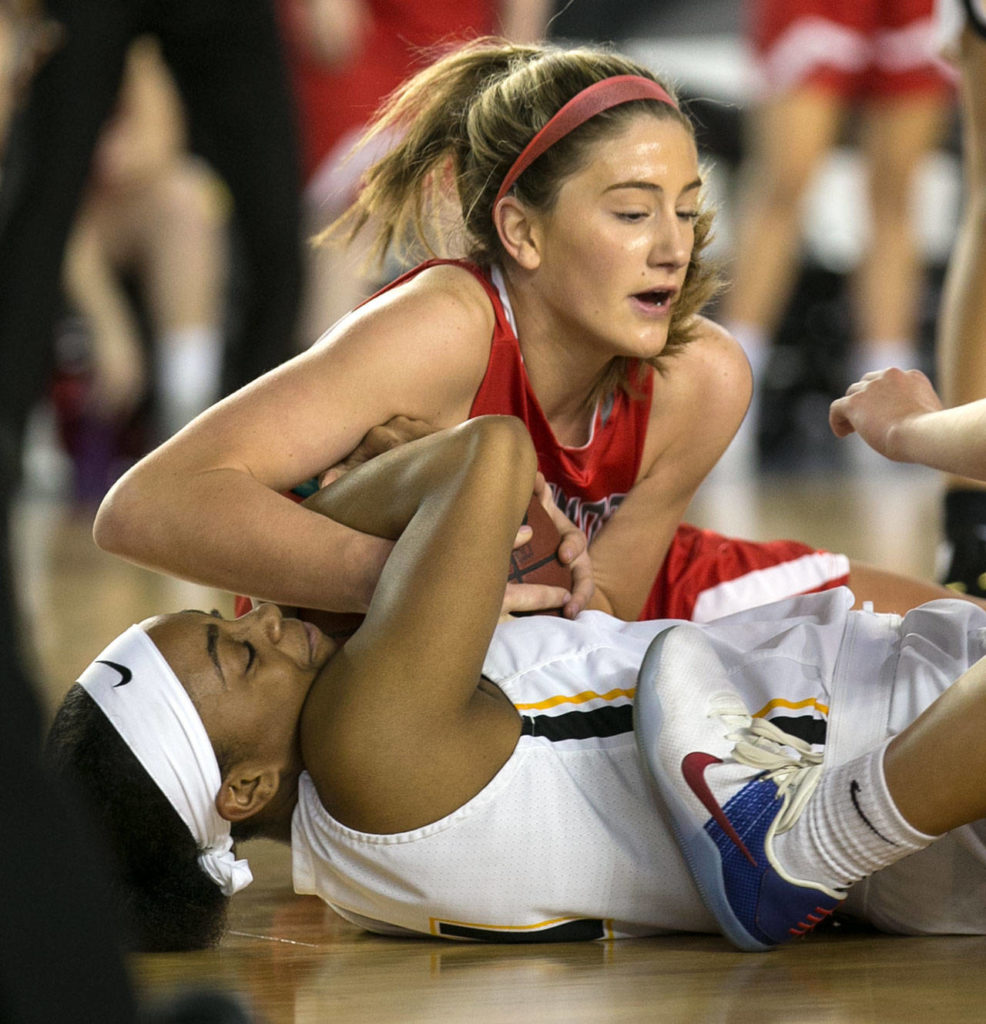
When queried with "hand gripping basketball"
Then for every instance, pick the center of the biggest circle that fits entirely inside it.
(537, 560)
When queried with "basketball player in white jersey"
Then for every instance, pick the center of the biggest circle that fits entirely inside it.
(443, 774)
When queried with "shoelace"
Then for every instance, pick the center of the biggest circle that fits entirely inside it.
(760, 744)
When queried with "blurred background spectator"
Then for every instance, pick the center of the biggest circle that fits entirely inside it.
(830, 71)
(227, 60)
(346, 56)
(61, 959)
(145, 276)
(962, 329)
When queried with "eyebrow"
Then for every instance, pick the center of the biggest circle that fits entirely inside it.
(212, 639)
(650, 186)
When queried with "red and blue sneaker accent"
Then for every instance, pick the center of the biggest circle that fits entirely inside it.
(731, 784)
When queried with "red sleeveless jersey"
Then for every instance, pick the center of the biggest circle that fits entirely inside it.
(588, 482)
(705, 575)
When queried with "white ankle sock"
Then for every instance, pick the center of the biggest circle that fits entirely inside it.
(849, 828)
(878, 355)
(756, 345)
(188, 365)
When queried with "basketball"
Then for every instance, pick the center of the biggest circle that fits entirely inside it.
(537, 560)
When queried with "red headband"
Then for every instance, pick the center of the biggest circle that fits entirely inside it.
(600, 96)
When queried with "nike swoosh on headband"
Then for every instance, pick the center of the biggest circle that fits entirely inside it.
(693, 769)
(125, 674)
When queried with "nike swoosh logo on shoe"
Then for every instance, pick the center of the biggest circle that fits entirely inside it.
(693, 767)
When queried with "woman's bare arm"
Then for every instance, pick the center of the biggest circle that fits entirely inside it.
(207, 505)
(697, 408)
(898, 413)
(396, 731)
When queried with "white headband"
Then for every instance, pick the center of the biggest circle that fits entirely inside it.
(140, 694)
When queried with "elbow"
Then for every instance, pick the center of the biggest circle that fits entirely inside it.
(107, 528)
(114, 527)
(503, 437)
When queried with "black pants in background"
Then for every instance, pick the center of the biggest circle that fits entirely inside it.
(226, 58)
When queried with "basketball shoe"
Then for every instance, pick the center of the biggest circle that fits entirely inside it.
(731, 783)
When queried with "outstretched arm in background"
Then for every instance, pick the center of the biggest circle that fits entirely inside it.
(899, 414)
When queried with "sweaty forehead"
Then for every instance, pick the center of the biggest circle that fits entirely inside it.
(645, 149)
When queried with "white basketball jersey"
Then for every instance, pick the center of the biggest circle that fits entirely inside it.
(566, 841)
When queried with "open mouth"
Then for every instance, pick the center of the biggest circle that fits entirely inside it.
(656, 299)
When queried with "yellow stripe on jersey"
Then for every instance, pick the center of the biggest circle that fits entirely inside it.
(577, 698)
(810, 702)
(435, 925)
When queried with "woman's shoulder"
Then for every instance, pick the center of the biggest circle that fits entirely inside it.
(458, 284)
(712, 364)
(710, 373)
(438, 303)
(422, 344)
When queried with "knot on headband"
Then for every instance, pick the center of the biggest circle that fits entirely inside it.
(140, 694)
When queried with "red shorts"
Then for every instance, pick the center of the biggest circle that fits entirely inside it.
(706, 575)
(860, 49)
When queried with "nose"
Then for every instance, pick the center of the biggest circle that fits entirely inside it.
(270, 620)
(671, 244)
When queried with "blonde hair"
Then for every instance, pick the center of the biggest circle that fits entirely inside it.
(461, 123)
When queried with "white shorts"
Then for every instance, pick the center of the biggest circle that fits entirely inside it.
(866, 677)
(942, 889)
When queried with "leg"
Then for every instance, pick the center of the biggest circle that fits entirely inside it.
(226, 58)
(336, 282)
(891, 592)
(897, 134)
(932, 768)
(62, 955)
(46, 165)
(185, 258)
(787, 139)
(773, 840)
(182, 240)
(962, 336)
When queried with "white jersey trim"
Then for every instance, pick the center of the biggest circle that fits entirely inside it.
(761, 586)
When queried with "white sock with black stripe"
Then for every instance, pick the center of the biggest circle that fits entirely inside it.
(849, 828)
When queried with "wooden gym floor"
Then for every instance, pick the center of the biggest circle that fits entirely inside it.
(295, 962)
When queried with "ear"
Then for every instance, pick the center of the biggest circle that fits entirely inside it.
(247, 789)
(519, 232)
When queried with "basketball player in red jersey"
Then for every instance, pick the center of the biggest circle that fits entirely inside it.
(577, 310)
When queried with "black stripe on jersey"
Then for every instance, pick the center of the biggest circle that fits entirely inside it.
(583, 930)
(805, 727)
(580, 725)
